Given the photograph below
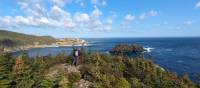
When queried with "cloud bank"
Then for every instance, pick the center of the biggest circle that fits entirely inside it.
(52, 14)
(37, 15)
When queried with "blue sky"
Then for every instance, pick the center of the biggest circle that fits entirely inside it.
(102, 18)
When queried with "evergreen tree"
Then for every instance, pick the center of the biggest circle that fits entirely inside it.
(5, 69)
(22, 74)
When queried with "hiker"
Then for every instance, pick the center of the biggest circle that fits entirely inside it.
(76, 55)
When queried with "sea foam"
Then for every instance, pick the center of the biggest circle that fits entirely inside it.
(148, 49)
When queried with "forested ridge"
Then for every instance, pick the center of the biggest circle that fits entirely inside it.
(94, 70)
(19, 39)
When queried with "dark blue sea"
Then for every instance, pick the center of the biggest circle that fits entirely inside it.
(180, 55)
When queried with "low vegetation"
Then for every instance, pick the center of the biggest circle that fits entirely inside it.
(96, 70)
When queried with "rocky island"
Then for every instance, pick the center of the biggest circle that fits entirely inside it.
(125, 49)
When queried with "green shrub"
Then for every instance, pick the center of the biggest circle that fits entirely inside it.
(122, 83)
(47, 82)
(74, 77)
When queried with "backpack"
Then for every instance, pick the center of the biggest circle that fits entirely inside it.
(76, 53)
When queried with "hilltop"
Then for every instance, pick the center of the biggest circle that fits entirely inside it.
(24, 39)
(13, 41)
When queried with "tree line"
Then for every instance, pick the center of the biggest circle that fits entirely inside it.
(102, 70)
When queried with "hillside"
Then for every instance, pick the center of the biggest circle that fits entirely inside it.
(93, 71)
(24, 39)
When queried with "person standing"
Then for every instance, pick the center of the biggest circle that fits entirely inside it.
(76, 55)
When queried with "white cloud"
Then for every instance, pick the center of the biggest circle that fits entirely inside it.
(62, 2)
(142, 16)
(94, 1)
(95, 22)
(150, 13)
(153, 13)
(197, 5)
(33, 7)
(59, 14)
(82, 4)
(7, 20)
(81, 17)
(108, 24)
(104, 3)
(188, 23)
(184, 25)
(36, 14)
(129, 17)
(21, 20)
(99, 2)
(43, 20)
(96, 13)
(25, 21)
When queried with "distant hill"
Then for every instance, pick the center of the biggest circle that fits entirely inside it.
(24, 39)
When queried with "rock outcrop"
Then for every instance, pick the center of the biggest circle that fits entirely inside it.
(124, 48)
(68, 70)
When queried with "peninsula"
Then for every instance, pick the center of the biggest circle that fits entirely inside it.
(12, 41)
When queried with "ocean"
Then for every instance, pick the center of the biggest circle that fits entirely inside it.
(180, 55)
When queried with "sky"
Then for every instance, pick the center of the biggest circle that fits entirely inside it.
(102, 18)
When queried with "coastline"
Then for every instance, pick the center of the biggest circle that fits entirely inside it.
(28, 47)
(58, 43)
(24, 48)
